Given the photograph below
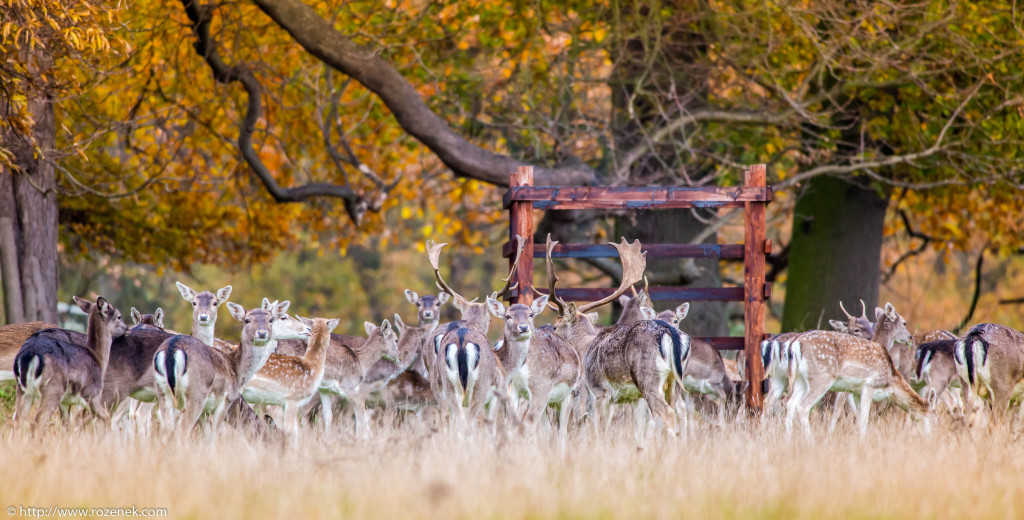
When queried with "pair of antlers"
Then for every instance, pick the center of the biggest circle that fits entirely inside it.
(434, 253)
(863, 313)
(634, 263)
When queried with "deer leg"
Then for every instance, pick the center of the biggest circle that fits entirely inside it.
(800, 388)
(49, 402)
(99, 411)
(866, 394)
(812, 394)
(193, 409)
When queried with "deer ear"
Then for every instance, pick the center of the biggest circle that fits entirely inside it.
(539, 305)
(85, 305)
(496, 308)
(266, 304)
(158, 317)
(224, 294)
(411, 296)
(305, 321)
(385, 327)
(369, 327)
(648, 313)
(879, 312)
(890, 311)
(281, 309)
(838, 326)
(593, 317)
(186, 291)
(443, 298)
(682, 311)
(237, 311)
(136, 316)
(399, 324)
(102, 304)
(332, 324)
(623, 300)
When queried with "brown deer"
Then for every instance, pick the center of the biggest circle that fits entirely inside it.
(539, 366)
(60, 373)
(823, 361)
(990, 362)
(705, 372)
(936, 371)
(472, 380)
(12, 337)
(292, 381)
(195, 377)
(428, 306)
(625, 362)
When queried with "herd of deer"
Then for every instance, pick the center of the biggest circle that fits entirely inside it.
(574, 368)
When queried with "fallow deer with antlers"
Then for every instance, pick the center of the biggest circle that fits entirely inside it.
(625, 362)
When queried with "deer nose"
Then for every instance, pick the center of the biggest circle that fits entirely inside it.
(204, 317)
(428, 314)
(523, 329)
(262, 334)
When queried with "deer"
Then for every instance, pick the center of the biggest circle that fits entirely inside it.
(292, 381)
(153, 320)
(625, 362)
(860, 326)
(474, 315)
(775, 358)
(12, 337)
(196, 378)
(59, 373)
(936, 371)
(472, 379)
(347, 361)
(637, 307)
(410, 346)
(705, 371)
(428, 306)
(823, 361)
(539, 366)
(990, 362)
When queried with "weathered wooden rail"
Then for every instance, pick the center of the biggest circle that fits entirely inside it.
(523, 197)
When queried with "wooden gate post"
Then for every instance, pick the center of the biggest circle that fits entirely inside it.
(754, 287)
(520, 223)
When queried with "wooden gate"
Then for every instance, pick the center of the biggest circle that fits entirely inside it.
(523, 197)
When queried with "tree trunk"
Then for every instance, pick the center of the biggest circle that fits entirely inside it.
(28, 214)
(834, 253)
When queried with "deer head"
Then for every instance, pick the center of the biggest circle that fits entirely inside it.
(103, 315)
(859, 326)
(674, 317)
(573, 321)
(890, 327)
(204, 304)
(518, 318)
(156, 319)
(428, 306)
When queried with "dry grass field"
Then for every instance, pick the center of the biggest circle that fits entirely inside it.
(738, 471)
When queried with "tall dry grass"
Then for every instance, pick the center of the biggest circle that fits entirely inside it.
(734, 471)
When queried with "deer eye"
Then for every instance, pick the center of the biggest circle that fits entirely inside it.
(193, 304)
(508, 316)
(248, 321)
(271, 320)
(531, 314)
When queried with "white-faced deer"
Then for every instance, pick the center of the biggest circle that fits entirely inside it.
(539, 366)
(823, 361)
(195, 378)
(12, 337)
(204, 310)
(292, 381)
(153, 320)
(428, 306)
(626, 362)
(990, 362)
(59, 373)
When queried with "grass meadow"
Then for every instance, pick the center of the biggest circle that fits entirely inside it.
(740, 470)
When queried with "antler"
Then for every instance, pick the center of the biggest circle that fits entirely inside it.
(634, 262)
(560, 305)
(848, 316)
(515, 264)
(863, 310)
(434, 253)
